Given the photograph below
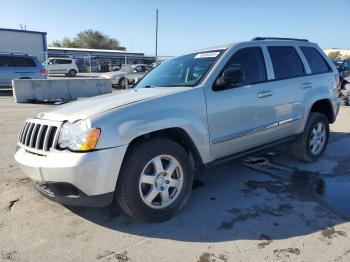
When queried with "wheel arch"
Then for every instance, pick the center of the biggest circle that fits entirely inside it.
(175, 134)
(325, 107)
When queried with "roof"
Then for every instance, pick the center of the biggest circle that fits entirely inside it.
(336, 48)
(86, 50)
(22, 31)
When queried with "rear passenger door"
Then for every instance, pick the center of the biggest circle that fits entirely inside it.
(242, 117)
(62, 65)
(289, 84)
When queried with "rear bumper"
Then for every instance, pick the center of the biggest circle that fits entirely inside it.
(336, 106)
(74, 178)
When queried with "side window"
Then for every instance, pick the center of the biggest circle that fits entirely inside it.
(15, 61)
(5, 61)
(148, 68)
(286, 62)
(316, 62)
(138, 69)
(63, 61)
(252, 63)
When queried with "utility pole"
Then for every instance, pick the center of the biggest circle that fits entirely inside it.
(156, 33)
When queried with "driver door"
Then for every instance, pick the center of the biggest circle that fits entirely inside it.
(242, 116)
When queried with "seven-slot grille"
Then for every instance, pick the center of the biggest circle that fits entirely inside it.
(38, 135)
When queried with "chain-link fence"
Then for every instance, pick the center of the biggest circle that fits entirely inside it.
(123, 70)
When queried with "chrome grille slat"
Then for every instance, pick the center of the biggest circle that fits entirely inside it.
(46, 139)
(39, 135)
(23, 135)
(41, 143)
(29, 133)
(33, 135)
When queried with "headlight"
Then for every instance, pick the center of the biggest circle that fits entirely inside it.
(78, 136)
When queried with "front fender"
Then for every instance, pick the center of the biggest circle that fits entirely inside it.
(185, 110)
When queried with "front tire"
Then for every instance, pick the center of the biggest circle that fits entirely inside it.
(155, 181)
(313, 141)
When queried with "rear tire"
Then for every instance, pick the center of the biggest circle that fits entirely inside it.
(313, 141)
(72, 73)
(123, 83)
(153, 192)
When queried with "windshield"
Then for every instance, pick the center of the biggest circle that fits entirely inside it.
(187, 70)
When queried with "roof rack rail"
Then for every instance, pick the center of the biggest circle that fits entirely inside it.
(278, 38)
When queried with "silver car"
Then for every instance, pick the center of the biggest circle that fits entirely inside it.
(128, 74)
(142, 145)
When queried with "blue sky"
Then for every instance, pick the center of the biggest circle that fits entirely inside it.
(184, 25)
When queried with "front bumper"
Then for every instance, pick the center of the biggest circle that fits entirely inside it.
(88, 176)
(67, 194)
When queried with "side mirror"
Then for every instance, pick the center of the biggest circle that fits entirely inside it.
(230, 77)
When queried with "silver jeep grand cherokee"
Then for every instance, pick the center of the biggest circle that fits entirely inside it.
(141, 146)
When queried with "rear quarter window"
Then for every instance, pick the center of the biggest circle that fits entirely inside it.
(286, 62)
(315, 60)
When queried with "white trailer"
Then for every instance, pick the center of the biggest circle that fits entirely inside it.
(23, 42)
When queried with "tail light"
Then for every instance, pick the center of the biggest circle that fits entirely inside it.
(42, 72)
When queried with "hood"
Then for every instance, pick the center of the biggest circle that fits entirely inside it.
(92, 106)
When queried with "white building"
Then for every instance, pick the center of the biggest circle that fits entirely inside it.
(343, 52)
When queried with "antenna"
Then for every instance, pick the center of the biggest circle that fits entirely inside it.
(157, 32)
(23, 27)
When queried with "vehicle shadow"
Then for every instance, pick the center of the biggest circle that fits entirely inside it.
(261, 197)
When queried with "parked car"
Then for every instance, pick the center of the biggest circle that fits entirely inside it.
(66, 66)
(142, 145)
(14, 66)
(128, 74)
(343, 67)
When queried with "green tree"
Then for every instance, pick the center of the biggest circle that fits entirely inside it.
(334, 55)
(90, 39)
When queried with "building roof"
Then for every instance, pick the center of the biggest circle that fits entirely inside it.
(22, 31)
(90, 50)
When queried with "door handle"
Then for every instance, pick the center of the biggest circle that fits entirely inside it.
(265, 94)
(306, 85)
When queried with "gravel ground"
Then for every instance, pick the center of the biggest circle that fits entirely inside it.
(265, 207)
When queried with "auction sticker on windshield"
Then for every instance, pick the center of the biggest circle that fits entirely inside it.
(208, 54)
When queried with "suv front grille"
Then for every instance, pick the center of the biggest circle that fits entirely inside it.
(39, 136)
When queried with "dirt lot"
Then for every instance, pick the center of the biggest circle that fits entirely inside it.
(267, 207)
